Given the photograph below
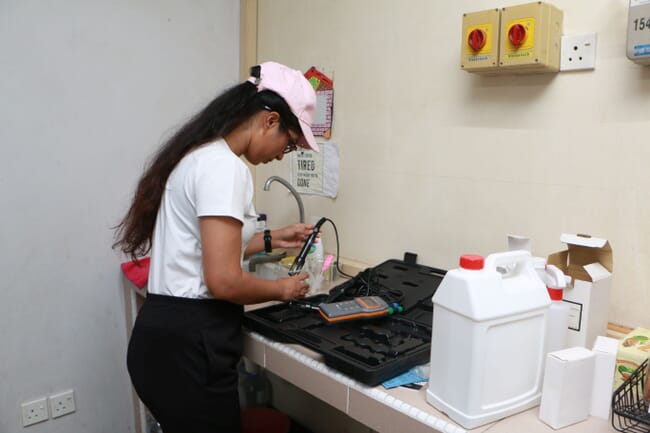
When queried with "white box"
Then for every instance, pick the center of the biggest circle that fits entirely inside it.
(604, 350)
(588, 261)
(566, 393)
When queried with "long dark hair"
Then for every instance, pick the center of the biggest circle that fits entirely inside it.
(221, 116)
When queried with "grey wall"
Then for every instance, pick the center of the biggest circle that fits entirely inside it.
(87, 91)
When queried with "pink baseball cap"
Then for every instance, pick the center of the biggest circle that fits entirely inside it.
(296, 90)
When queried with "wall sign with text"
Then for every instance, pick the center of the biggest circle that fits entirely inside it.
(323, 85)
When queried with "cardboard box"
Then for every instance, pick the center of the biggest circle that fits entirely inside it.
(566, 392)
(588, 261)
(632, 351)
(604, 350)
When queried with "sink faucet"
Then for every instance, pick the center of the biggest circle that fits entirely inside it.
(267, 186)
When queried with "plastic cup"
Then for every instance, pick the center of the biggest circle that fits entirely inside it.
(314, 268)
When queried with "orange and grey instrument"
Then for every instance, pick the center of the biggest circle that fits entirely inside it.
(364, 307)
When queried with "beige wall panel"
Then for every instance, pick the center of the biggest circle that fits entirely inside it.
(441, 162)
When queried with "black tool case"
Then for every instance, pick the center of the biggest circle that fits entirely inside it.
(370, 351)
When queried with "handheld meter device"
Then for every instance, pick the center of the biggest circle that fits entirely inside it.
(363, 307)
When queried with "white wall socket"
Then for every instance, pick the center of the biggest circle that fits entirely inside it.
(578, 52)
(62, 403)
(34, 411)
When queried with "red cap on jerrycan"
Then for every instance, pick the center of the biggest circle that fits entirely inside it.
(473, 262)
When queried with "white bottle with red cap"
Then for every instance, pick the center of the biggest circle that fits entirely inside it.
(558, 314)
(488, 338)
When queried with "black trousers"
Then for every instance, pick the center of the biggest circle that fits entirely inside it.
(182, 359)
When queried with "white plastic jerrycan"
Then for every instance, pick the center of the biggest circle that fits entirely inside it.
(488, 338)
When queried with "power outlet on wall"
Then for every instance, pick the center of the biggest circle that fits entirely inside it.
(578, 52)
(34, 411)
(62, 403)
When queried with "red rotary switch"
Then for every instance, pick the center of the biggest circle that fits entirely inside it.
(517, 34)
(477, 39)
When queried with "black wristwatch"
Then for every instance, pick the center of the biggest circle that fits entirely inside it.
(267, 241)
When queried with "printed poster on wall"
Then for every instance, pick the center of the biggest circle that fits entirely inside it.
(323, 86)
(316, 172)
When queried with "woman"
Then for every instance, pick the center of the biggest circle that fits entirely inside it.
(193, 211)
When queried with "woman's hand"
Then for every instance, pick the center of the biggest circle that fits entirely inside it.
(295, 287)
(293, 236)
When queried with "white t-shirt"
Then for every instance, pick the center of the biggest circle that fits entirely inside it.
(209, 181)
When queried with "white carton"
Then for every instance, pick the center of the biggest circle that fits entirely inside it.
(566, 393)
(517, 242)
(588, 261)
(604, 350)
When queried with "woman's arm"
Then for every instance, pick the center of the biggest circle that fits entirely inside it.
(292, 236)
(221, 243)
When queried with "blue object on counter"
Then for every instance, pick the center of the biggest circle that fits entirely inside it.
(411, 376)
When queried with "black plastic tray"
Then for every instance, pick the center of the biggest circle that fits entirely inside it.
(370, 351)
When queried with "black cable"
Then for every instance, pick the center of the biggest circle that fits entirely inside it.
(338, 266)
(368, 279)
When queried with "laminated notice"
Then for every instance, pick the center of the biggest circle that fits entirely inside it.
(316, 172)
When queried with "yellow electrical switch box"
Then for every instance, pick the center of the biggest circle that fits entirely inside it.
(480, 41)
(530, 38)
